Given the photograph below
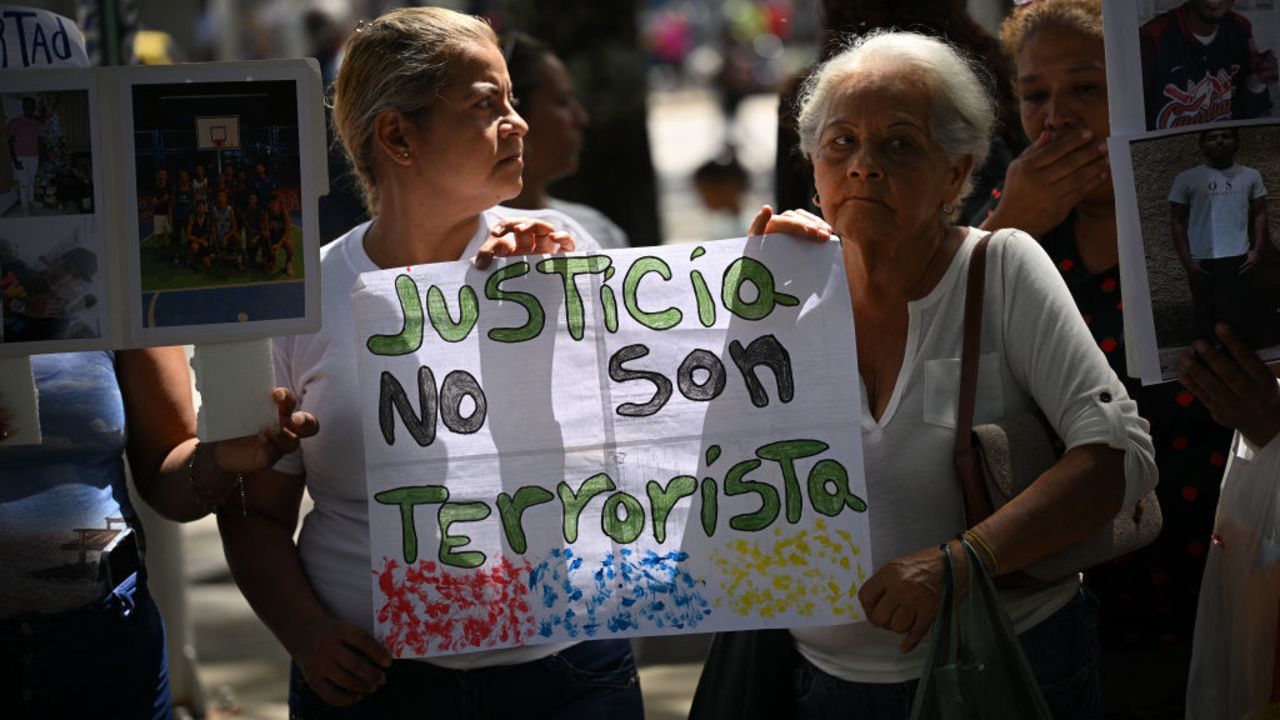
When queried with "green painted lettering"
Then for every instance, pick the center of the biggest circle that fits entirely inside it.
(408, 498)
(442, 321)
(622, 530)
(456, 512)
(744, 270)
(785, 453)
(537, 316)
(832, 502)
(610, 304)
(736, 484)
(572, 503)
(661, 320)
(710, 506)
(663, 500)
(569, 268)
(409, 339)
(511, 510)
(706, 306)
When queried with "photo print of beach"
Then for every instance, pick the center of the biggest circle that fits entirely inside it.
(219, 183)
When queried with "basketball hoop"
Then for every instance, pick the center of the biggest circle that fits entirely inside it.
(218, 134)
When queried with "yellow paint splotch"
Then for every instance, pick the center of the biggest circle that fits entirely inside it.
(798, 572)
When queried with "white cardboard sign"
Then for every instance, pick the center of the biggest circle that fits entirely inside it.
(652, 441)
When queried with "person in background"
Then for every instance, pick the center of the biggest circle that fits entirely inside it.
(721, 183)
(544, 89)
(262, 184)
(1218, 219)
(894, 127)
(79, 633)
(24, 134)
(423, 107)
(162, 211)
(1233, 661)
(279, 233)
(227, 182)
(253, 223)
(1059, 190)
(200, 184)
(184, 202)
(244, 187)
(225, 230)
(200, 249)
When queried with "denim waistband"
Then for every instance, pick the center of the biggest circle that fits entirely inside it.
(121, 598)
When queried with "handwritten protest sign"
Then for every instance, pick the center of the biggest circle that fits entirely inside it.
(651, 441)
(32, 38)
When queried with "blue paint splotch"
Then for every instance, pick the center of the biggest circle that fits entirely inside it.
(628, 591)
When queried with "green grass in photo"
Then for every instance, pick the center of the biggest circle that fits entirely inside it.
(160, 272)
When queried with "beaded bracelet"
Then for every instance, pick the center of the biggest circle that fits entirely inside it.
(210, 502)
(977, 540)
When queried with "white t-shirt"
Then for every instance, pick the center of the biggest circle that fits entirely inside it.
(604, 231)
(1219, 218)
(321, 370)
(1036, 351)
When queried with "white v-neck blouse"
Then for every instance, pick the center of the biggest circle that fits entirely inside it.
(1036, 351)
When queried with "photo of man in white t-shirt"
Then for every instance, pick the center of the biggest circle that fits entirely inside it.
(1219, 226)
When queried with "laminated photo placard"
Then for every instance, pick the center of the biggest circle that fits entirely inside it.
(54, 255)
(1188, 80)
(1197, 222)
(149, 206)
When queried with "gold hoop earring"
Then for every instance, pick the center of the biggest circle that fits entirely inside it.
(948, 208)
(817, 201)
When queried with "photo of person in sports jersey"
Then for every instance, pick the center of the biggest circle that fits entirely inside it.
(1202, 64)
(1208, 239)
(1218, 219)
(237, 202)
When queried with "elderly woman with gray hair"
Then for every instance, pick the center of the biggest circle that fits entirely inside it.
(894, 126)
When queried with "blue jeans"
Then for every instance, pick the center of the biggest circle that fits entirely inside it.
(1062, 651)
(594, 679)
(106, 659)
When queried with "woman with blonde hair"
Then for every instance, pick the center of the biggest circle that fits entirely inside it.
(423, 107)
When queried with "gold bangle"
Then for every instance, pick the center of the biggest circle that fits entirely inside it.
(986, 548)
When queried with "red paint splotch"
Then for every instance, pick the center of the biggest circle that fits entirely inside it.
(429, 609)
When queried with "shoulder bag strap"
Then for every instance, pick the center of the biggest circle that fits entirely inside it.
(977, 503)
